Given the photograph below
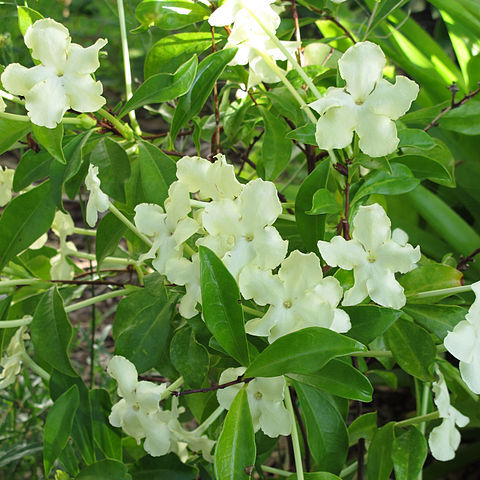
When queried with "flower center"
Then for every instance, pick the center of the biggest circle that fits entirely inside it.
(136, 407)
(371, 257)
(258, 395)
(249, 237)
(287, 304)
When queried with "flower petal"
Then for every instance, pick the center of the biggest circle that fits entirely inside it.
(125, 373)
(149, 218)
(397, 258)
(471, 375)
(384, 289)
(342, 253)
(84, 60)
(275, 420)
(341, 321)
(260, 285)
(359, 291)
(462, 341)
(18, 80)
(335, 128)
(444, 440)
(371, 227)
(390, 100)
(83, 92)
(361, 67)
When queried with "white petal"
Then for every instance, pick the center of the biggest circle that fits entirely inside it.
(147, 395)
(225, 396)
(6, 183)
(361, 67)
(222, 217)
(371, 227)
(3, 105)
(49, 41)
(125, 373)
(335, 128)
(149, 218)
(46, 102)
(223, 15)
(84, 60)
(157, 435)
(261, 327)
(83, 92)
(63, 224)
(397, 258)
(342, 253)
(329, 291)
(341, 321)
(473, 315)
(393, 101)
(270, 389)
(61, 269)
(184, 230)
(177, 205)
(400, 236)
(260, 285)
(359, 291)
(444, 440)
(188, 302)
(462, 341)
(275, 420)
(471, 374)
(270, 248)
(384, 289)
(334, 97)
(18, 80)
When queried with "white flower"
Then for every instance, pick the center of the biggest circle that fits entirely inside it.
(169, 229)
(61, 268)
(265, 398)
(63, 224)
(464, 343)
(368, 104)
(6, 182)
(374, 257)
(62, 80)
(298, 296)
(2, 105)
(97, 201)
(445, 439)
(11, 363)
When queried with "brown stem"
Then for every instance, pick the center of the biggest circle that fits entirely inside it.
(342, 27)
(464, 262)
(240, 379)
(115, 270)
(297, 31)
(216, 148)
(452, 105)
(311, 158)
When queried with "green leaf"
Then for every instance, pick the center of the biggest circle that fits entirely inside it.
(105, 470)
(163, 87)
(412, 348)
(171, 51)
(316, 476)
(235, 451)
(164, 13)
(303, 351)
(158, 172)
(364, 426)
(26, 17)
(189, 357)
(311, 228)
(409, 454)
(276, 148)
(414, 137)
(380, 463)
(438, 319)
(341, 379)
(12, 131)
(33, 166)
(51, 140)
(370, 321)
(25, 219)
(305, 134)
(221, 306)
(52, 333)
(326, 430)
(168, 467)
(58, 426)
(107, 438)
(323, 202)
(143, 341)
(399, 180)
(463, 119)
(5, 333)
(113, 167)
(110, 231)
(209, 69)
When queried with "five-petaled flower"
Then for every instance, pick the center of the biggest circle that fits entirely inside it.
(61, 80)
(367, 105)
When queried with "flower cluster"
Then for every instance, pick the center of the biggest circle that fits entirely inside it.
(140, 416)
(464, 343)
(250, 38)
(11, 363)
(61, 80)
(367, 105)
(445, 439)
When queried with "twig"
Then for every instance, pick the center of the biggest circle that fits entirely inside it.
(452, 105)
(464, 262)
(342, 27)
(240, 379)
(298, 38)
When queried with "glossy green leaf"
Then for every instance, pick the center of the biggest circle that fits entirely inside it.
(113, 167)
(276, 148)
(316, 476)
(305, 351)
(414, 137)
(380, 463)
(26, 17)
(144, 340)
(105, 470)
(163, 87)
(363, 426)
(209, 69)
(165, 13)
(370, 321)
(341, 379)
(51, 333)
(158, 172)
(326, 430)
(412, 348)
(438, 319)
(51, 140)
(5, 333)
(235, 451)
(12, 131)
(171, 51)
(166, 467)
(110, 231)
(25, 219)
(311, 228)
(33, 166)
(221, 306)
(189, 357)
(323, 202)
(305, 134)
(409, 454)
(463, 119)
(58, 426)
(107, 438)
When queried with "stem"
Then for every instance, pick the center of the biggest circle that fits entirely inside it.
(84, 231)
(295, 441)
(277, 471)
(252, 311)
(289, 56)
(419, 419)
(21, 281)
(370, 20)
(288, 217)
(91, 256)
(21, 322)
(129, 224)
(204, 426)
(79, 122)
(126, 64)
(279, 72)
(441, 291)
(12, 98)
(98, 298)
(124, 130)
(171, 388)
(34, 367)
